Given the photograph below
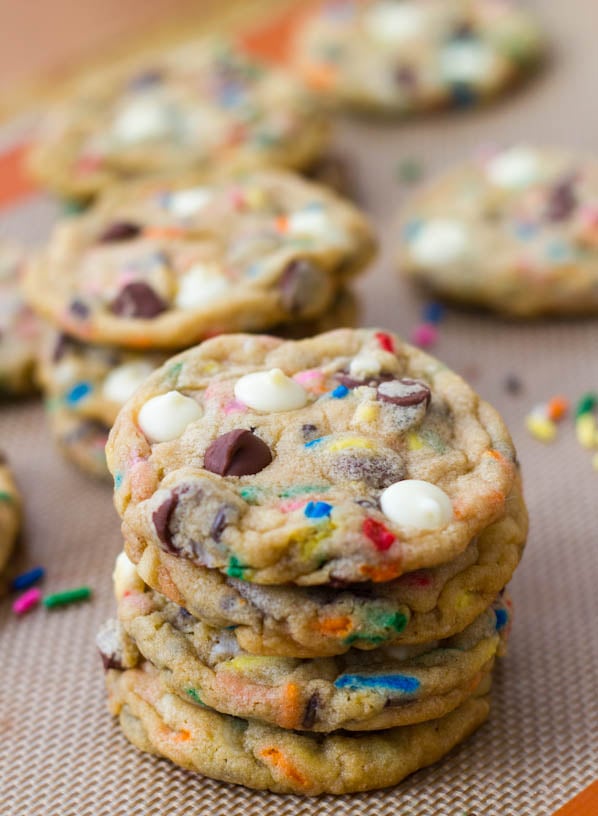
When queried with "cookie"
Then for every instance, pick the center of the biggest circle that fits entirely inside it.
(265, 757)
(81, 440)
(404, 56)
(348, 457)
(201, 107)
(10, 512)
(19, 328)
(302, 622)
(161, 265)
(391, 686)
(515, 231)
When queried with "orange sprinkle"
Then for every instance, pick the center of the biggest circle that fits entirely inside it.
(495, 454)
(183, 736)
(342, 625)
(164, 232)
(557, 408)
(319, 76)
(282, 223)
(290, 706)
(384, 572)
(278, 759)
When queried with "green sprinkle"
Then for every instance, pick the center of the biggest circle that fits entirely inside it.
(586, 404)
(175, 370)
(302, 489)
(409, 171)
(67, 597)
(195, 696)
(434, 441)
(235, 569)
(375, 639)
(72, 207)
(250, 494)
(6, 497)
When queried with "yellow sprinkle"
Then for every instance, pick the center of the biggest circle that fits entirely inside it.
(366, 413)
(249, 663)
(541, 427)
(255, 197)
(351, 442)
(463, 600)
(414, 441)
(585, 430)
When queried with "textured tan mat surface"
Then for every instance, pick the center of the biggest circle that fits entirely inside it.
(60, 752)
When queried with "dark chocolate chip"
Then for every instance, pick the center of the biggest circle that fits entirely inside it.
(111, 661)
(137, 299)
(237, 453)
(376, 471)
(221, 520)
(310, 715)
(404, 392)
(299, 285)
(119, 231)
(562, 200)
(161, 520)
(78, 308)
(354, 382)
(309, 431)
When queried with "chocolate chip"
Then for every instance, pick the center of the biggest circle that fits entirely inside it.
(309, 431)
(377, 471)
(404, 392)
(237, 453)
(111, 661)
(161, 520)
(310, 715)
(299, 285)
(78, 308)
(562, 200)
(60, 347)
(119, 231)
(221, 521)
(137, 299)
(354, 382)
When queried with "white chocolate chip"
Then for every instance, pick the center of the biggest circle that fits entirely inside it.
(416, 505)
(364, 365)
(514, 169)
(391, 23)
(440, 243)
(466, 61)
(201, 285)
(144, 119)
(270, 391)
(165, 417)
(313, 223)
(124, 380)
(125, 576)
(186, 203)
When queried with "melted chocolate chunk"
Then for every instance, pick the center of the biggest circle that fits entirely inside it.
(404, 392)
(376, 471)
(237, 453)
(119, 231)
(309, 431)
(354, 382)
(310, 715)
(137, 299)
(111, 661)
(300, 280)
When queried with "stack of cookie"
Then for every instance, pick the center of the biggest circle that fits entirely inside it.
(159, 265)
(317, 537)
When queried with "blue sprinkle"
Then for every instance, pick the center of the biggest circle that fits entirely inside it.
(433, 312)
(78, 392)
(411, 229)
(118, 480)
(502, 618)
(340, 391)
(317, 509)
(27, 579)
(313, 442)
(559, 251)
(394, 682)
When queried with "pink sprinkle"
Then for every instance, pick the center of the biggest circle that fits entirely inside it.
(312, 379)
(424, 335)
(27, 601)
(291, 504)
(233, 406)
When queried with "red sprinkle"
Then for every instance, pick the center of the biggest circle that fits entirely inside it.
(382, 538)
(385, 341)
(27, 601)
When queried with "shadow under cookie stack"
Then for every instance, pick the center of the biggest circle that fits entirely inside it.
(317, 539)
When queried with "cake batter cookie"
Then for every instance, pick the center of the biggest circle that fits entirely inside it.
(10, 512)
(405, 56)
(19, 328)
(347, 457)
(198, 107)
(266, 757)
(164, 266)
(419, 607)
(515, 231)
(390, 686)
(82, 440)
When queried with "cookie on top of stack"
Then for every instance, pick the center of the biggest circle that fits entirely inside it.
(161, 265)
(318, 535)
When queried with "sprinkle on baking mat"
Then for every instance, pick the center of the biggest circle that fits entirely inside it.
(66, 597)
(27, 601)
(543, 419)
(27, 579)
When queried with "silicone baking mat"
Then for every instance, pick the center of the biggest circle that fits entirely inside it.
(60, 752)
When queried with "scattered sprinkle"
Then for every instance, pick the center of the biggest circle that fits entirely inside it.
(540, 426)
(513, 384)
(381, 538)
(425, 335)
(317, 509)
(586, 404)
(28, 600)
(433, 312)
(557, 408)
(340, 391)
(27, 579)
(67, 597)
